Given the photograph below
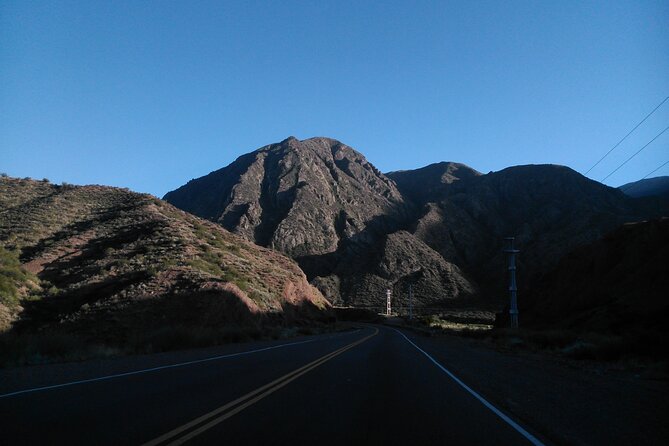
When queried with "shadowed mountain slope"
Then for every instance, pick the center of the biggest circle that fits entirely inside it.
(616, 285)
(108, 262)
(650, 187)
(430, 183)
(549, 209)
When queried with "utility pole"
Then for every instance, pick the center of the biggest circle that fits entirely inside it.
(410, 302)
(388, 294)
(513, 309)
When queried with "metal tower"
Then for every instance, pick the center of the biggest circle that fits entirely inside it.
(410, 302)
(388, 294)
(513, 309)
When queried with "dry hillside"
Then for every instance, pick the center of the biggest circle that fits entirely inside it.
(108, 262)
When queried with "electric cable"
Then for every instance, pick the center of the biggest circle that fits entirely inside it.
(636, 153)
(636, 183)
(628, 134)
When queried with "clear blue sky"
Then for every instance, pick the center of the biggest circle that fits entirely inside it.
(148, 95)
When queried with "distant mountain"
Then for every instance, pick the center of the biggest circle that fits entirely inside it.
(109, 263)
(431, 183)
(650, 187)
(356, 232)
(325, 205)
(615, 285)
(549, 209)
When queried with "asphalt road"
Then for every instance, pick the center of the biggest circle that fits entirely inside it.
(370, 386)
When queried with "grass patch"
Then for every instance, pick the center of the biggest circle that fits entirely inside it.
(200, 230)
(455, 323)
(12, 278)
(211, 262)
(232, 275)
(645, 346)
(206, 266)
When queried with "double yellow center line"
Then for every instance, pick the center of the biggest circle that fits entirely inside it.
(195, 427)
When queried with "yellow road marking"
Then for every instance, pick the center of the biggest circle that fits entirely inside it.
(250, 398)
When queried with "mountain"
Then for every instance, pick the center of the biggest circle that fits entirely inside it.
(356, 232)
(430, 183)
(651, 187)
(300, 197)
(109, 263)
(615, 285)
(322, 203)
(550, 210)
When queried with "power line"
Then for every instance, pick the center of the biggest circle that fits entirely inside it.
(628, 134)
(636, 183)
(636, 153)
(655, 170)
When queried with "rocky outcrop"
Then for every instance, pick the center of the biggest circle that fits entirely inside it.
(300, 197)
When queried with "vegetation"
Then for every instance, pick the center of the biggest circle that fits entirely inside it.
(41, 348)
(585, 345)
(127, 273)
(644, 346)
(12, 278)
(457, 323)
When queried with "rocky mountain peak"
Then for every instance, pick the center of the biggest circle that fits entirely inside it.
(269, 195)
(324, 204)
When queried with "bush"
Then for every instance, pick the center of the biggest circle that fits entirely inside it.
(12, 277)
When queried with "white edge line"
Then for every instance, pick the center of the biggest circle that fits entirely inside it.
(154, 369)
(532, 439)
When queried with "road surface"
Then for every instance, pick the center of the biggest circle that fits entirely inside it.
(368, 386)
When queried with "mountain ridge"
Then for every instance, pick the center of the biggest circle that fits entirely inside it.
(647, 187)
(322, 203)
(355, 218)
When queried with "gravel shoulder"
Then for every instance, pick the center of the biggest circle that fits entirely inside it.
(564, 401)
